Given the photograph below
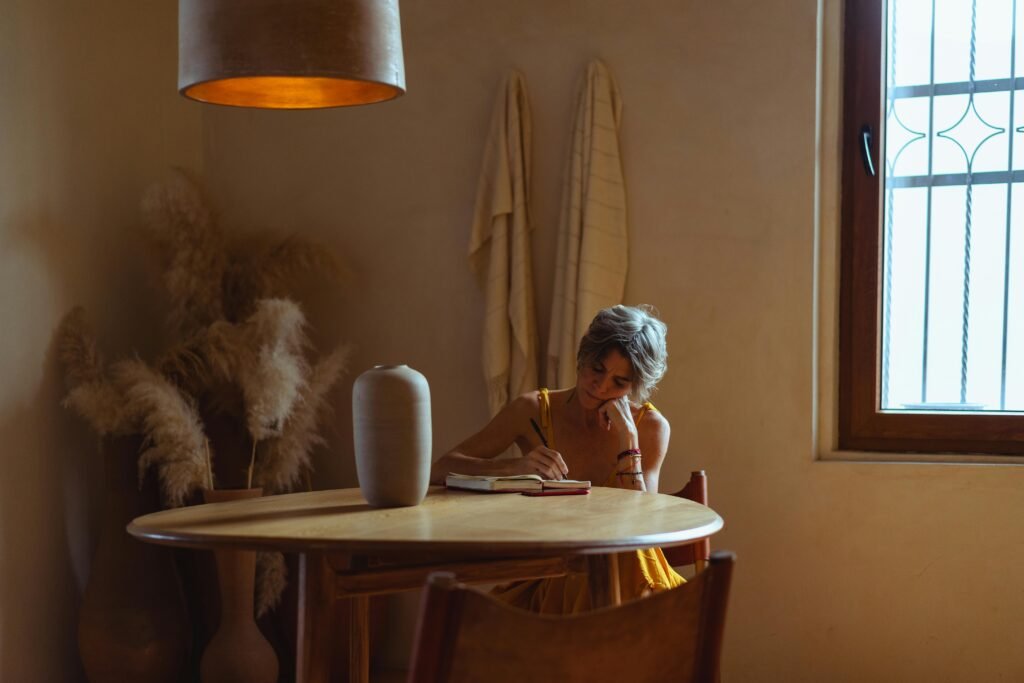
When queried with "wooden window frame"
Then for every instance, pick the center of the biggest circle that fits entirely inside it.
(862, 425)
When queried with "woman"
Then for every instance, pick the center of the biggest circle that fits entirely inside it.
(602, 430)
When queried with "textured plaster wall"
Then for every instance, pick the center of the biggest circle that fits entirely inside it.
(847, 572)
(88, 118)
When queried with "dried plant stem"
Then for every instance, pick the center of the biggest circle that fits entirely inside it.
(252, 464)
(209, 466)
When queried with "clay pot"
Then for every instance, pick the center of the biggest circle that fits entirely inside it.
(133, 625)
(238, 652)
(391, 425)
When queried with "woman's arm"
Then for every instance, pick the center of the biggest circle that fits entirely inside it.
(476, 455)
(654, 435)
(643, 446)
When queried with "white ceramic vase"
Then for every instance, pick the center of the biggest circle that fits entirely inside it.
(391, 425)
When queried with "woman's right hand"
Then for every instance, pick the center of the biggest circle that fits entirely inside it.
(546, 462)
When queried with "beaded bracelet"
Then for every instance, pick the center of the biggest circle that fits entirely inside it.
(634, 452)
(624, 474)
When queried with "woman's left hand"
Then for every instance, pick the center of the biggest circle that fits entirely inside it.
(617, 416)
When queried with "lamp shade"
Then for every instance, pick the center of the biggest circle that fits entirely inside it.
(290, 54)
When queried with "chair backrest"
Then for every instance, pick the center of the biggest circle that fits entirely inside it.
(696, 553)
(464, 636)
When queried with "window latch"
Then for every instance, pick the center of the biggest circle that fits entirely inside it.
(865, 150)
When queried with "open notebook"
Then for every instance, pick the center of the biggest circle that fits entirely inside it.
(518, 482)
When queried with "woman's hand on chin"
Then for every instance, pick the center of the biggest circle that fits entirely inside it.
(543, 461)
(617, 417)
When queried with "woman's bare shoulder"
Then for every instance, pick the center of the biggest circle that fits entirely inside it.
(654, 423)
(560, 396)
(525, 404)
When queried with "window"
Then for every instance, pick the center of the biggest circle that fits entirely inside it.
(932, 247)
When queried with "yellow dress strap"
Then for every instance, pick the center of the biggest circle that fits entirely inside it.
(643, 410)
(545, 417)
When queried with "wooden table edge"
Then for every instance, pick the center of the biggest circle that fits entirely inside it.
(370, 546)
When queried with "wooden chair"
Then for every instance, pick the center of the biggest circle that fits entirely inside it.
(696, 553)
(464, 636)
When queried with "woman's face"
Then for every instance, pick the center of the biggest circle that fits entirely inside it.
(604, 380)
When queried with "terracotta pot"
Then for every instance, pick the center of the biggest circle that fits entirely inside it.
(133, 625)
(238, 651)
(391, 426)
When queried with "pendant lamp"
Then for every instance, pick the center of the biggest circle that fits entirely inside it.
(290, 54)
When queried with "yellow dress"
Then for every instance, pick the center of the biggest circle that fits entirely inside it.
(640, 572)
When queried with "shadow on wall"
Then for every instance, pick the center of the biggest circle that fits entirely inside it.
(50, 466)
(51, 487)
(72, 171)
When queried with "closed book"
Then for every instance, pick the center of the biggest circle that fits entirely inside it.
(512, 483)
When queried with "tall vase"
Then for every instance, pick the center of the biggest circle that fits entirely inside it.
(238, 652)
(133, 625)
(391, 425)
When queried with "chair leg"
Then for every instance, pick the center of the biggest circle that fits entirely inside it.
(359, 639)
(316, 583)
(603, 580)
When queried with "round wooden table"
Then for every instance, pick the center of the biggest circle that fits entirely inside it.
(351, 550)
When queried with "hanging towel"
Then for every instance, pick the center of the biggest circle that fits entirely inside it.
(591, 261)
(499, 249)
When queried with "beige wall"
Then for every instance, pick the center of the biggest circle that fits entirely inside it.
(847, 572)
(88, 117)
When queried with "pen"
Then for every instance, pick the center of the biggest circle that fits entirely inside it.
(536, 428)
(540, 433)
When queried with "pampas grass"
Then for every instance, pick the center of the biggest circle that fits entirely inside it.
(192, 252)
(175, 442)
(264, 357)
(207, 277)
(288, 456)
(276, 369)
(103, 407)
(237, 377)
(76, 348)
(271, 578)
(242, 352)
(90, 393)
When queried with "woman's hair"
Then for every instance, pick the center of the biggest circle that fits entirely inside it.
(636, 333)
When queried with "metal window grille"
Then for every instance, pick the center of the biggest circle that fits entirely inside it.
(952, 322)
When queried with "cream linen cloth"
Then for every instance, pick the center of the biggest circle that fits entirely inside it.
(591, 261)
(499, 249)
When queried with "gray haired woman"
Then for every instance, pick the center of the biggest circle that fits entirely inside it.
(603, 430)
